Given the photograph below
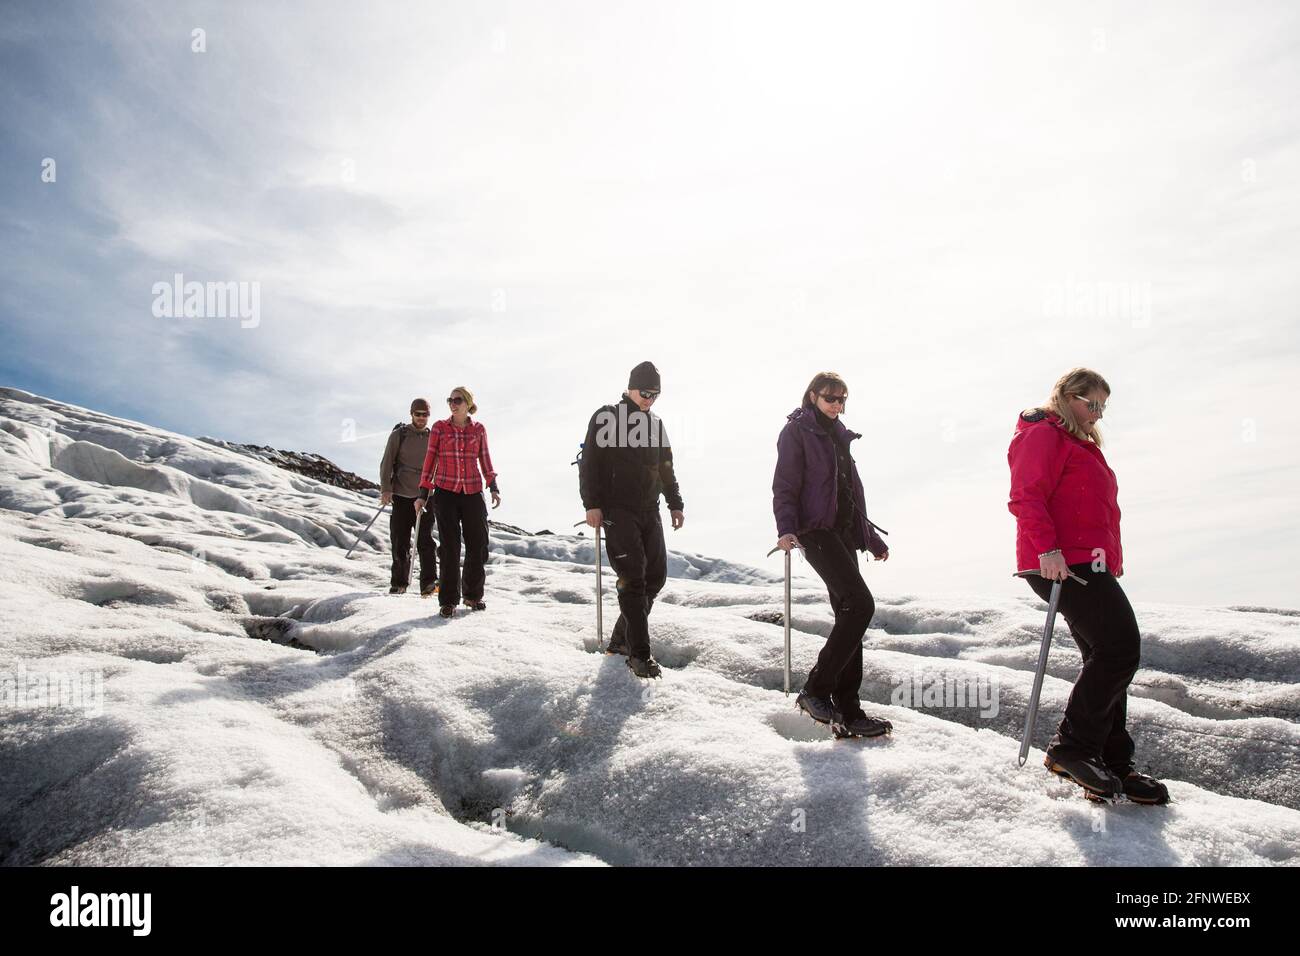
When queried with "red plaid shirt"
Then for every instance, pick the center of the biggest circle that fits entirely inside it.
(455, 457)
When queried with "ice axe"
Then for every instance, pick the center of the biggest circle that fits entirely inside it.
(786, 616)
(363, 532)
(600, 625)
(412, 542)
(1031, 715)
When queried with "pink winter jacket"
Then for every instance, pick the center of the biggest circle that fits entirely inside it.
(1063, 495)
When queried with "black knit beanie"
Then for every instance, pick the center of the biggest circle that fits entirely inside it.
(644, 376)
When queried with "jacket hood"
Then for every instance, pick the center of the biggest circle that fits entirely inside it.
(1051, 418)
(806, 417)
(1022, 422)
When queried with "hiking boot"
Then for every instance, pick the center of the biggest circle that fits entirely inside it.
(819, 709)
(1140, 788)
(644, 666)
(429, 590)
(617, 643)
(862, 725)
(618, 637)
(397, 589)
(1087, 773)
(447, 610)
(475, 605)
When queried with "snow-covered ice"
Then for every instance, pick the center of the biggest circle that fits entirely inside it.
(192, 673)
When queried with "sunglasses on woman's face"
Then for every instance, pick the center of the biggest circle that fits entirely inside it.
(455, 400)
(1096, 408)
(841, 400)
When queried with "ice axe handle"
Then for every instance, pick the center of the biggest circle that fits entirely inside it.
(1031, 712)
(786, 615)
(363, 532)
(600, 602)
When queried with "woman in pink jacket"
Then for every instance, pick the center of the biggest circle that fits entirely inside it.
(457, 466)
(1064, 497)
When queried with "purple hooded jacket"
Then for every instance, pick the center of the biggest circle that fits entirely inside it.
(804, 488)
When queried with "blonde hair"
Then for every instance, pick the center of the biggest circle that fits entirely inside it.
(1077, 382)
(466, 394)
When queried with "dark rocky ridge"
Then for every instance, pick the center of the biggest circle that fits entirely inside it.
(302, 463)
(324, 470)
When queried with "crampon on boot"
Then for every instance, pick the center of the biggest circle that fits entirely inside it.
(1139, 788)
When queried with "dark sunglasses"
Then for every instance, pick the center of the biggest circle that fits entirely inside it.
(455, 400)
(647, 394)
(841, 400)
(419, 414)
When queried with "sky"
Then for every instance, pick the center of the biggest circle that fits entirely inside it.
(950, 204)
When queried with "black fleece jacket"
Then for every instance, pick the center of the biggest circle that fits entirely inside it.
(627, 461)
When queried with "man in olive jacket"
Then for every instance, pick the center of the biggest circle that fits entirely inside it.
(399, 485)
(626, 464)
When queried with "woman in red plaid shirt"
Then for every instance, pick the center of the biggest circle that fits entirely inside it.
(456, 467)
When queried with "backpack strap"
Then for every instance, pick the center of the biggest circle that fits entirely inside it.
(397, 459)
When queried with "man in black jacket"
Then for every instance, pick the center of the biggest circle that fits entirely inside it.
(626, 464)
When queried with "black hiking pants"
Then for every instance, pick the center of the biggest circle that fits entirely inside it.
(838, 671)
(458, 512)
(400, 521)
(634, 541)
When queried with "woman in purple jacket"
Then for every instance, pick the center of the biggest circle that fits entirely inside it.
(821, 508)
